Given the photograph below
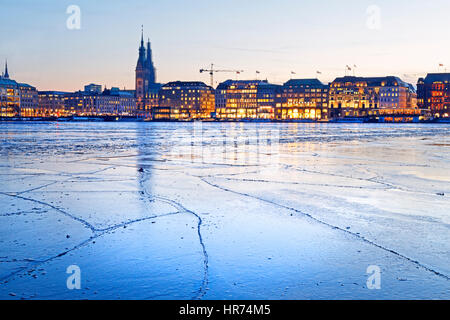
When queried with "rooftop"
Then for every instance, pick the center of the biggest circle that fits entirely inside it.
(245, 83)
(5, 82)
(437, 77)
(53, 92)
(304, 82)
(185, 84)
(374, 81)
(25, 85)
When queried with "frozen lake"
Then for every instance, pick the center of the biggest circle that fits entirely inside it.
(224, 210)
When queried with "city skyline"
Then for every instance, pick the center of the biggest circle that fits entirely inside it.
(305, 39)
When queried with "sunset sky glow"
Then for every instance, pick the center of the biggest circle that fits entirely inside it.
(273, 37)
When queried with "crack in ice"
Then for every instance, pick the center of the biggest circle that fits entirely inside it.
(358, 236)
(202, 290)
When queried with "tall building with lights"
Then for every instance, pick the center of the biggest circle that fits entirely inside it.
(9, 95)
(385, 98)
(181, 100)
(17, 99)
(246, 99)
(434, 94)
(51, 103)
(29, 101)
(110, 102)
(303, 99)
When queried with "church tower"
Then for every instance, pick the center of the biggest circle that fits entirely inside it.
(151, 72)
(146, 87)
(141, 71)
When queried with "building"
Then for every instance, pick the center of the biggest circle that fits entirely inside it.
(399, 104)
(303, 99)
(80, 103)
(9, 98)
(149, 101)
(9, 95)
(51, 103)
(16, 99)
(360, 97)
(93, 88)
(146, 88)
(115, 102)
(246, 99)
(185, 101)
(434, 94)
(112, 102)
(29, 100)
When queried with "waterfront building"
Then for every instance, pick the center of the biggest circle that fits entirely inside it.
(51, 103)
(399, 104)
(146, 88)
(9, 97)
(29, 100)
(80, 103)
(149, 101)
(246, 99)
(184, 101)
(16, 99)
(434, 94)
(116, 102)
(112, 102)
(390, 97)
(303, 99)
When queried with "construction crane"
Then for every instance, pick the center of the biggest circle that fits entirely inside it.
(212, 71)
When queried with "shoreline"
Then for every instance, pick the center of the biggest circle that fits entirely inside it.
(134, 119)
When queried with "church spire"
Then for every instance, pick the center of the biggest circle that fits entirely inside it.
(141, 59)
(151, 75)
(6, 75)
(149, 51)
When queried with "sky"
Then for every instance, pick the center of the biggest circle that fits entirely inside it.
(405, 38)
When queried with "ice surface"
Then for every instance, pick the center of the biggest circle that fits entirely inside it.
(224, 210)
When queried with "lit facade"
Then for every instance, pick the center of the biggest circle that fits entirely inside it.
(303, 99)
(80, 104)
(434, 94)
(185, 101)
(246, 99)
(16, 99)
(51, 104)
(149, 101)
(9, 98)
(370, 97)
(112, 102)
(29, 101)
